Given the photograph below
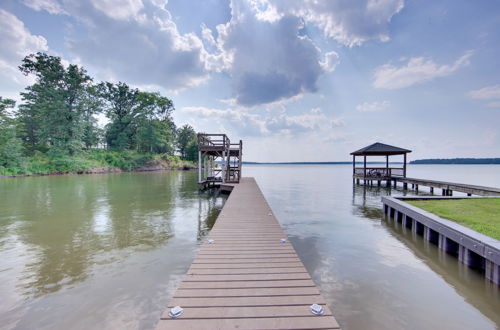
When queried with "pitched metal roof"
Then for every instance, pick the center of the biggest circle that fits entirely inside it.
(380, 149)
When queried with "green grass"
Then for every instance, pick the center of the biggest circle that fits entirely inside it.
(481, 214)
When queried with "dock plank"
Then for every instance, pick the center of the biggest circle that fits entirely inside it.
(246, 277)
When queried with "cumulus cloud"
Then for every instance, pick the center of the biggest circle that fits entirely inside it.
(314, 120)
(348, 22)
(486, 93)
(119, 9)
(416, 71)
(50, 6)
(245, 122)
(252, 124)
(133, 40)
(373, 106)
(266, 56)
(17, 42)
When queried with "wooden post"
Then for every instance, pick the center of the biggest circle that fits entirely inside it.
(364, 166)
(404, 167)
(353, 165)
(223, 167)
(199, 166)
(387, 166)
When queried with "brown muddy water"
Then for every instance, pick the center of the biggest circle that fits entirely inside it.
(107, 251)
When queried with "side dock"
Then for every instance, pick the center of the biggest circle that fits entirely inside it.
(247, 275)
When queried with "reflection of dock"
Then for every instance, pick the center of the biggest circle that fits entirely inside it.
(247, 275)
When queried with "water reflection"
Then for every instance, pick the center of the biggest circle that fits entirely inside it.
(369, 277)
(469, 283)
(59, 234)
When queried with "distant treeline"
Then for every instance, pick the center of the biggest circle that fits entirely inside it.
(457, 161)
(314, 163)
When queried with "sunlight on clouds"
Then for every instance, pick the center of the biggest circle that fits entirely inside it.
(17, 42)
(416, 71)
(349, 22)
(119, 9)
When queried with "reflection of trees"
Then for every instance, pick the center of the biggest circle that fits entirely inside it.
(140, 208)
(69, 223)
(468, 283)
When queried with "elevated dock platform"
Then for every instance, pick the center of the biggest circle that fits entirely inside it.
(247, 275)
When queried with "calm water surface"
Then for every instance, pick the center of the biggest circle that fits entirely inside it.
(373, 274)
(107, 251)
(97, 251)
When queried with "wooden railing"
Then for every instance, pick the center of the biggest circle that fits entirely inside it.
(379, 172)
(214, 140)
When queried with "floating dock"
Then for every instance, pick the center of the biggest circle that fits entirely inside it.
(247, 275)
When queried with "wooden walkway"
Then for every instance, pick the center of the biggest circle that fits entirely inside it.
(246, 278)
(451, 186)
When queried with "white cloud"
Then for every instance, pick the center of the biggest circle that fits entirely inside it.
(267, 58)
(243, 121)
(494, 104)
(17, 42)
(416, 71)
(373, 106)
(138, 42)
(50, 6)
(486, 93)
(252, 124)
(349, 22)
(119, 9)
(312, 121)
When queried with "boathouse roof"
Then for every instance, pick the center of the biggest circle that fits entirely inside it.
(380, 149)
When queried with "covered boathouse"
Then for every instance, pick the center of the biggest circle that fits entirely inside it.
(370, 174)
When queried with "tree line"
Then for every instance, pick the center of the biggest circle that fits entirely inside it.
(57, 117)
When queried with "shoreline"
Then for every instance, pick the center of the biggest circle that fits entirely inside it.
(99, 170)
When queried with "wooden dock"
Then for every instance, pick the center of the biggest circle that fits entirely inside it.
(449, 187)
(245, 276)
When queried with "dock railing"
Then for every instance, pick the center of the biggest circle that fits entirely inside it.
(378, 172)
(214, 140)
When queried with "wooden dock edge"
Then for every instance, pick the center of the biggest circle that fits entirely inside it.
(247, 274)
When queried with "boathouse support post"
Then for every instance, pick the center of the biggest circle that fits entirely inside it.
(353, 165)
(364, 166)
(199, 166)
(387, 165)
(432, 190)
(404, 166)
(223, 167)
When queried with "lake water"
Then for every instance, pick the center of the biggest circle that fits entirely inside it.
(107, 251)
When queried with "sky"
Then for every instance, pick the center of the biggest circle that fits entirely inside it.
(296, 80)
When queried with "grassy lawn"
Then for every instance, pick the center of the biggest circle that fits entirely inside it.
(481, 215)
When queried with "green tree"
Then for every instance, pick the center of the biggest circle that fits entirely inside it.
(138, 120)
(11, 149)
(92, 105)
(53, 106)
(186, 136)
